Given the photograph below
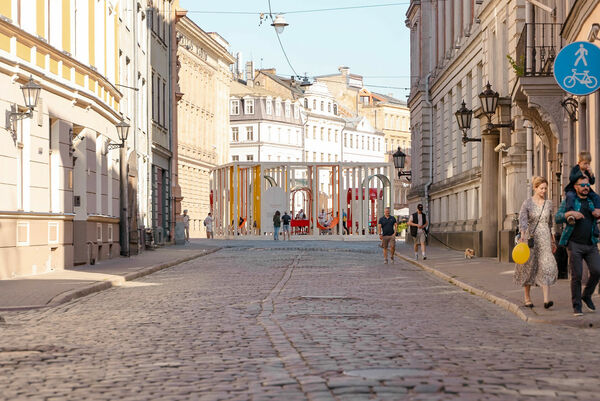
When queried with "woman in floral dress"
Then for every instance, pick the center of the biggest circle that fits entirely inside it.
(535, 221)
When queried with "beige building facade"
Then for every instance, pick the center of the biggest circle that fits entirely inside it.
(60, 184)
(203, 115)
(474, 183)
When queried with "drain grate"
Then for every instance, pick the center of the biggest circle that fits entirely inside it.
(389, 373)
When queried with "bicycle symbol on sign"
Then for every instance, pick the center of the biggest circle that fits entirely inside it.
(582, 77)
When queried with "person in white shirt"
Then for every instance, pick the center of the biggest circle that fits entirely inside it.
(418, 226)
(208, 223)
(186, 225)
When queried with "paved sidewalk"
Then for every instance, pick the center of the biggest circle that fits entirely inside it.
(490, 279)
(54, 288)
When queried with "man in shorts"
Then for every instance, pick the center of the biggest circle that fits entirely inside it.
(387, 234)
(418, 225)
(285, 219)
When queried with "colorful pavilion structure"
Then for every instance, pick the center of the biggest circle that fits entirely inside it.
(245, 195)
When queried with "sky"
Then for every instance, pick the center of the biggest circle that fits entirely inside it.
(373, 42)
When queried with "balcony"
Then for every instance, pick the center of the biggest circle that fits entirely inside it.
(537, 48)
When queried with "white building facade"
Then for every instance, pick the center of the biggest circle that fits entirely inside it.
(264, 126)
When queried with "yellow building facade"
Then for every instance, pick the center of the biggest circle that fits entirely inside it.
(60, 184)
(202, 115)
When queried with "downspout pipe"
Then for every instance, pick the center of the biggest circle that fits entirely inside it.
(428, 102)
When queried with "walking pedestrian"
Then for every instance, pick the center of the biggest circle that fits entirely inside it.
(186, 225)
(345, 222)
(581, 245)
(535, 222)
(418, 225)
(208, 223)
(276, 225)
(387, 234)
(286, 218)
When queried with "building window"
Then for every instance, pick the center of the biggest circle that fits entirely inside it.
(235, 108)
(328, 134)
(249, 158)
(314, 156)
(329, 157)
(235, 134)
(296, 111)
(368, 144)
(314, 132)
(322, 105)
(322, 156)
(322, 133)
(336, 158)
(278, 108)
(335, 109)
(346, 140)
(314, 104)
(329, 107)
(249, 106)
(336, 136)
(306, 155)
(288, 109)
(269, 109)
(250, 133)
(305, 103)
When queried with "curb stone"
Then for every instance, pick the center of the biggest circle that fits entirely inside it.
(104, 285)
(503, 303)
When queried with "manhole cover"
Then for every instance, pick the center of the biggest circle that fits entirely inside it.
(388, 373)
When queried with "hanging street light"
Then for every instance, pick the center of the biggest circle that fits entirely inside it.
(31, 94)
(489, 104)
(463, 118)
(122, 133)
(399, 162)
(571, 105)
(279, 23)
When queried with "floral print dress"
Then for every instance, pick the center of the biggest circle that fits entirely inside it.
(541, 267)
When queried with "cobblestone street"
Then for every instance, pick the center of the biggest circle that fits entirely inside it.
(316, 321)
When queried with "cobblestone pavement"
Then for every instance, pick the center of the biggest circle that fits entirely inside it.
(259, 321)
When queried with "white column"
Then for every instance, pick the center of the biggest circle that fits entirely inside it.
(315, 194)
(236, 198)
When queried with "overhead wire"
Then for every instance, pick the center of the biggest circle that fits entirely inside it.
(315, 10)
(281, 44)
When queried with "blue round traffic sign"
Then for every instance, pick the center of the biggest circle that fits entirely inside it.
(577, 68)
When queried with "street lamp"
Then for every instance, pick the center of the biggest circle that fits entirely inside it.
(122, 132)
(279, 23)
(399, 161)
(489, 104)
(463, 118)
(31, 93)
(570, 104)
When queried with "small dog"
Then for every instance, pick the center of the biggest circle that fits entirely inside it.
(469, 253)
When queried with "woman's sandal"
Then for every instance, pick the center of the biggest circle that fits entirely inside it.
(529, 304)
(548, 305)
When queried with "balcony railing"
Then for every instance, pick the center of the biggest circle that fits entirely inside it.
(537, 48)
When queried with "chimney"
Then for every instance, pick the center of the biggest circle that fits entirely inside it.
(250, 73)
(344, 70)
(238, 65)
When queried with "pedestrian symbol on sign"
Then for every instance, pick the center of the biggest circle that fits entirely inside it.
(576, 68)
(582, 53)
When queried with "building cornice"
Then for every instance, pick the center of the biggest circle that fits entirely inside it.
(580, 11)
(188, 28)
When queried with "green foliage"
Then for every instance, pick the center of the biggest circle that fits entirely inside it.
(518, 67)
